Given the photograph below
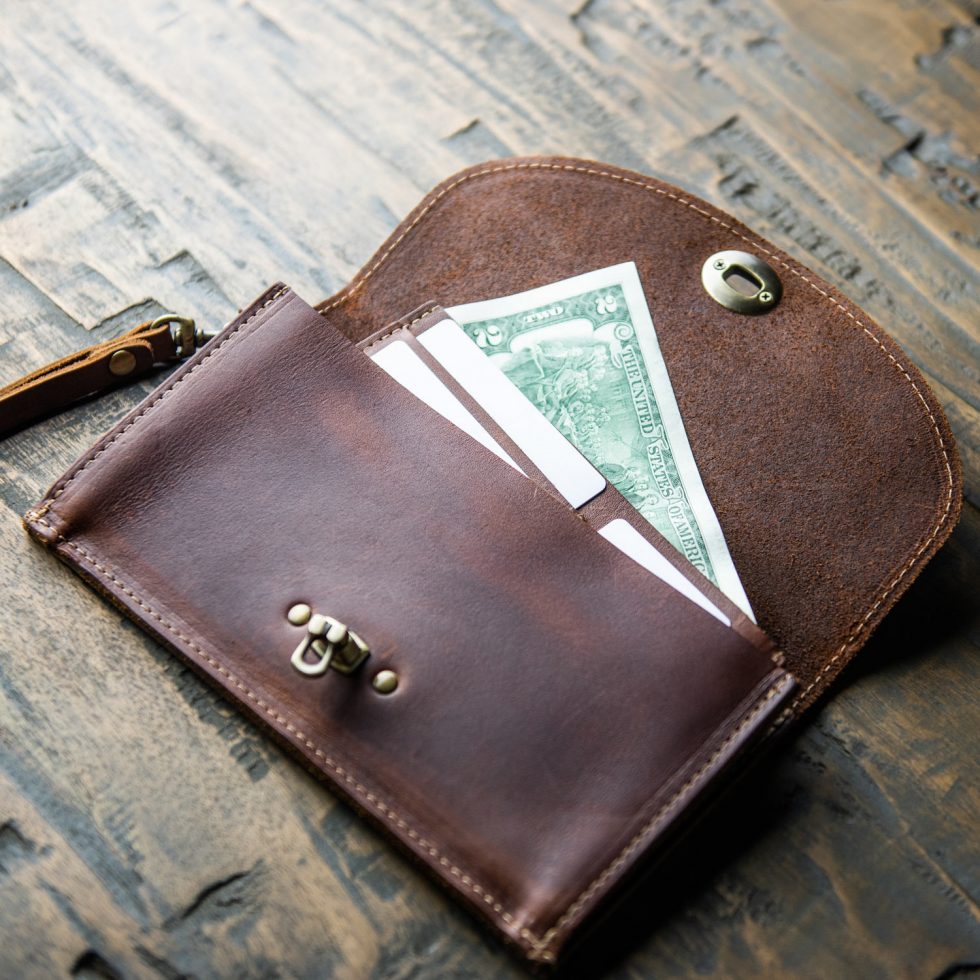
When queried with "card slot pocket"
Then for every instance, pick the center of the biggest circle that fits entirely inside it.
(608, 512)
(551, 694)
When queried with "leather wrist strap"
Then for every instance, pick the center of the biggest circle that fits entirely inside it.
(95, 370)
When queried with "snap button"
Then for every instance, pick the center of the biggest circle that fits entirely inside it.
(122, 363)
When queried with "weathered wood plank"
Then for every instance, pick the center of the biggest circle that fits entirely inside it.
(177, 155)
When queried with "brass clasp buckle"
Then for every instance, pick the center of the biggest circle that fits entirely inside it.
(330, 640)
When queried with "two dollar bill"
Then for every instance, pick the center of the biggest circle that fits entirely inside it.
(570, 376)
(584, 352)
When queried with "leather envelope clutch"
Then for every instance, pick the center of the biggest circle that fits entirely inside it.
(521, 707)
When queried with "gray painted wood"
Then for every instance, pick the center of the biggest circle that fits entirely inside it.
(178, 155)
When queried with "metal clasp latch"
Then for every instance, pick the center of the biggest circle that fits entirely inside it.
(187, 337)
(330, 640)
(741, 282)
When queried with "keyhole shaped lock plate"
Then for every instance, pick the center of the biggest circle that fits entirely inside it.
(329, 640)
(741, 282)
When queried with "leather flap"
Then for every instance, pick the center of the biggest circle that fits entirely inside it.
(827, 458)
(559, 710)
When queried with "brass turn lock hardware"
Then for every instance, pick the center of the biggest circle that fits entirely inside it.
(328, 640)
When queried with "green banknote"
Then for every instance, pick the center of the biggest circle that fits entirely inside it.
(584, 351)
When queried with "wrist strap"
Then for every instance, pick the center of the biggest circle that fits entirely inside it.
(97, 369)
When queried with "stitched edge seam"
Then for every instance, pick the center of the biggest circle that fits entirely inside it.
(361, 790)
(401, 326)
(356, 285)
(36, 515)
(657, 819)
(539, 944)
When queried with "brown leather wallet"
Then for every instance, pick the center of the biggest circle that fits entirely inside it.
(553, 714)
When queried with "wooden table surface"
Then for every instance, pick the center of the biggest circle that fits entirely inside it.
(179, 155)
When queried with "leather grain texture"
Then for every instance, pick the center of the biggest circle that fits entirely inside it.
(81, 375)
(828, 460)
(548, 730)
(608, 506)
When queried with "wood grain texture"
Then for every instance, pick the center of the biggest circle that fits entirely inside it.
(179, 155)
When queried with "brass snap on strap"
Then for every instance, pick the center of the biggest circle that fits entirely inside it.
(741, 282)
(122, 362)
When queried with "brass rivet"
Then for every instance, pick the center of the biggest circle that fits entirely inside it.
(299, 615)
(337, 634)
(122, 363)
(385, 681)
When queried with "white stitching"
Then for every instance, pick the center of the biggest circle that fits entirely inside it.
(344, 774)
(399, 327)
(658, 818)
(156, 399)
(347, 293)
(540, 945)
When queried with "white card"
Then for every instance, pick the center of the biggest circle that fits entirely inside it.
(630, 542)
(565, 468)
(405, 366)
(411, 372)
